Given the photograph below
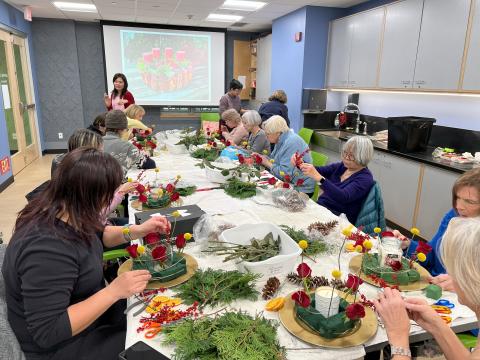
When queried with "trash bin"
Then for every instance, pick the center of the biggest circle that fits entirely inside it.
(409, 133)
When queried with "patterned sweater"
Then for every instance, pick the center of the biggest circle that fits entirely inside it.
(125, 152)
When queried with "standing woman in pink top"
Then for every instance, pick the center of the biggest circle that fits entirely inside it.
(120, 98)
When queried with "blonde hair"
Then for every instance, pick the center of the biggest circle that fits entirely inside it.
(275, 124)
(231, 115)
(460, 251)
(252, 117)
(361, 148)
(278, 95)
(133, 111)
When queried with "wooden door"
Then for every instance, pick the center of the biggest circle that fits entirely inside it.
(241, 66)
(19, 107)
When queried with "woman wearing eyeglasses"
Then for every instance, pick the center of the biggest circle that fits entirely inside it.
(466, 204)
(345, 184)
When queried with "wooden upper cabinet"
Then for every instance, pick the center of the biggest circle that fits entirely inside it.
(471, 79)
(365, 49)
(339, 48)
(441, 44)
(400, 41)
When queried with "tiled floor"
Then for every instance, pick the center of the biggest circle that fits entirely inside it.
(12, 199)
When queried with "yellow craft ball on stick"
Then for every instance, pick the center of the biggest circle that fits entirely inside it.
(415, 231)
(421, 257)
(141, 249)
(359, 248)
(337, 274)
(303, 244)
(187, 236)
(367, 244)
(377, 230)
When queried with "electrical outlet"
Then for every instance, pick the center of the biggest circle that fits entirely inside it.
(60, 135)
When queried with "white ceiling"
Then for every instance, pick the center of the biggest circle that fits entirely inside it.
(176, 12)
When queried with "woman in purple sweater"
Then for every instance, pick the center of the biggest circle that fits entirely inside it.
(345, 184)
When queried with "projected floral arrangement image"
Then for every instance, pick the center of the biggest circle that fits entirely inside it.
(167, 66)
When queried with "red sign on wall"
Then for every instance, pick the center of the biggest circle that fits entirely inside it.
(4, 165)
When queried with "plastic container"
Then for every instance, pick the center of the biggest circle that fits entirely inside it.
(409, 133)
(215, 175)
(279, 265)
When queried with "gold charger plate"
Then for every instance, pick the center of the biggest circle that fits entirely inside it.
(421, 284)
(192, 266)
(366, 330)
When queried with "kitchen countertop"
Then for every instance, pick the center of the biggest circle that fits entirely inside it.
(423, 157)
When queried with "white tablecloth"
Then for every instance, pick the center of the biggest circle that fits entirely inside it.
(226, 208)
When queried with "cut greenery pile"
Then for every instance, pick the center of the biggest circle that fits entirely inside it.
(315, 247)
(208, 154)
(232, 336)
(213, 287)
(240, 189)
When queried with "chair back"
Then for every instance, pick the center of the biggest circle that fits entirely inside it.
(318, 159)
(306, 134)
(372, 213)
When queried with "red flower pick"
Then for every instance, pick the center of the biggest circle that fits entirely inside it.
(286, 185)
(301, 298)
(159, 253)
(175, 196)
(152, 238)
(241, 158)
(140, 188)
(353, 282)
(143, 198)
(180, 241)
(423, 247)
(258, 159)
(272, 181)
(355, 311)
(300, 182)
(287, 178)
(132, 250)
(303, 270)
(170, 188)
(395, 265)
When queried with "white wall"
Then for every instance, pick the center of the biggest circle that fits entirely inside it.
(264, 62)
(450, 110)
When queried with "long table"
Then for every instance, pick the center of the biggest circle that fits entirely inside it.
(223, 208)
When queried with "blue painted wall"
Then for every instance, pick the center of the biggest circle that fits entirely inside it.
(287, 60)
(298, 65)
(13, 18)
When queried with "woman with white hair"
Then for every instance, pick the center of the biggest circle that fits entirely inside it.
(459, 242)
(257, 140)
(234, 121)
(286, 143)
(345, 184)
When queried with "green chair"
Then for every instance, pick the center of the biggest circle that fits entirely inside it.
(306, 134)
(210, 116)
(115, 254)
(318, 159)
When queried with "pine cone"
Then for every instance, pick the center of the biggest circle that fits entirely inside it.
(270, 288)
(295, 279)
(317, 281)
(338, 284)
(323, 228)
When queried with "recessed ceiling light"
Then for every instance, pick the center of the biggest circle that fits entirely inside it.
(242, 5)
(224, 18)
(79, 7)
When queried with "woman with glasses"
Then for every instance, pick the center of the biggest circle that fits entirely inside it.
(345, 184)
(466, 204)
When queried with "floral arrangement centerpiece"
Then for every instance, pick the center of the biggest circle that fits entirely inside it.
(144, 140)
(189, 137)
(160, 196)
(328, 312)
(389, 267)
(164, 71)
(162, 257)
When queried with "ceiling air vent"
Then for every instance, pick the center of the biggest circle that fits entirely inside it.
(239, 24)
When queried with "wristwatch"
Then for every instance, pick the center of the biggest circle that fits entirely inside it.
(396, 350)
(321, 181)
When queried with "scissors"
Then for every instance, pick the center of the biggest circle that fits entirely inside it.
(446, 303)
(154, 329)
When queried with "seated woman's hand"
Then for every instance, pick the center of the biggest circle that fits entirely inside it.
(444, 281)
(310, 171)
(423, 314)
(128, 284)
(127, 187)
(405, 241)
(392, 309)
(156, 224)
(223, 129)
